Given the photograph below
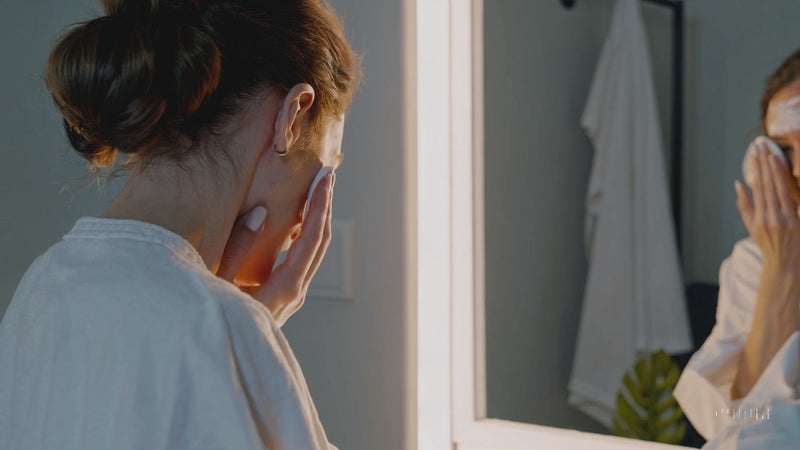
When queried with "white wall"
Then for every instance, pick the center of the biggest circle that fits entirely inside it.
(352, 353)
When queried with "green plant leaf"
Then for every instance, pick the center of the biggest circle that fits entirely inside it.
(629, 417)
(645, 406)
(618, 429)
(665, 405)
(674, 436)
(633, 390)
(661, 362)
(643, 374)
(669, 420)
(671, 377)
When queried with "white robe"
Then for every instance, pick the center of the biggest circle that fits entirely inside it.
(634, 299)
(119, 337)
(769, 416)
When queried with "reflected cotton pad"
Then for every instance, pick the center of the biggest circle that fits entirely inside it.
(748, 165)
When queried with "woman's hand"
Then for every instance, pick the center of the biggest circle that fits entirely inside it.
(771, 216)
(284, 292)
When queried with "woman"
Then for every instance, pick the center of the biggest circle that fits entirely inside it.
(130, 333)
(740, 389)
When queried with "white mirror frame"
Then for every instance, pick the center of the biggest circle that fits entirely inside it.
(445, 268)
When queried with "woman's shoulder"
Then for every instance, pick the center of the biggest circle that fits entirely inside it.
(237, 308)
(745, 260)
(739, 276)
(246, 322)
(746, 251)
(154, 287)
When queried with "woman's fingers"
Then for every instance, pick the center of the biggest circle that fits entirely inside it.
(779, 173)
(240, 241)
(745, 205)
(286, 290)
(326, 239)
(759, 203)
(302, 252)
(767, 185)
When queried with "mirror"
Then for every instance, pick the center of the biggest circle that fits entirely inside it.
(539, 59)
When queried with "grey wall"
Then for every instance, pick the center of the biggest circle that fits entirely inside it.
(352, 353)
(43, 188)
(539, 60)
(733, 46)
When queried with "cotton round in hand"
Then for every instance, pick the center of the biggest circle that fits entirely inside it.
(320, 175)
(748, 164)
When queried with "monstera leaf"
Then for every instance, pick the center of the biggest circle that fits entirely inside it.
(646, 408)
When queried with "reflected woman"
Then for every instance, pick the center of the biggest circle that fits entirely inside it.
(740, 389)
(130, 332)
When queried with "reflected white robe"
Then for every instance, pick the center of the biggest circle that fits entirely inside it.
(634, 300)
(769, 416)
(119, 337)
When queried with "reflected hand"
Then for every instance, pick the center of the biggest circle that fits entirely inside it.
(771, 216)
(284, 291)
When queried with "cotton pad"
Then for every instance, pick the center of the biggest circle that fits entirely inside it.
(320, 175)
(748, 165)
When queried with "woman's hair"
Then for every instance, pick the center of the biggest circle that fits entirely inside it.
(787, 73)
(152, 72)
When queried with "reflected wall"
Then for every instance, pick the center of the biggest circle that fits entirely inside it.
(539, 59)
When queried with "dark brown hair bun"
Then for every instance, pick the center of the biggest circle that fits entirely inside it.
(154, 72)
(120, 80)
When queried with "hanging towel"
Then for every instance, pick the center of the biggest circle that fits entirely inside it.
(634, 297)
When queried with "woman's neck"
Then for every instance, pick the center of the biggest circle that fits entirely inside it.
(200, 199)
(200, 208)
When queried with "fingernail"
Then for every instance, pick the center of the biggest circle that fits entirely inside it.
(255, 218)
(739, 187)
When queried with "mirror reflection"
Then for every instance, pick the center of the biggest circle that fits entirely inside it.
(585, 274)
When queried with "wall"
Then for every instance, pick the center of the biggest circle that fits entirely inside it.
(43, 188)
(351, 352)
(539, 60)
(732, 47)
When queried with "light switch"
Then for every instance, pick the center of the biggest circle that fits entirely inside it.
(334, 277)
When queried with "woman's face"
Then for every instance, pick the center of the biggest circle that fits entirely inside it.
(782, 123)
(281, 185)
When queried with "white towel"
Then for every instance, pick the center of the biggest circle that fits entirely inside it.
(634, 295)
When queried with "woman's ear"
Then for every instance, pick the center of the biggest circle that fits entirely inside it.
(292, 114)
